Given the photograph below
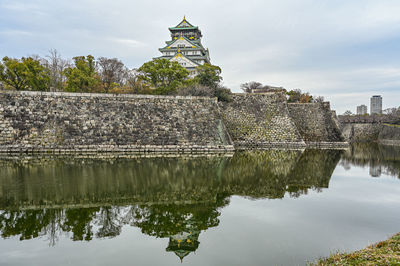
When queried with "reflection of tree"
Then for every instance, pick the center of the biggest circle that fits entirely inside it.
(375, 156)
(109, 220)
(165, 197)
(167, 220)
(78, 221)
(31, 224)
(155, 220)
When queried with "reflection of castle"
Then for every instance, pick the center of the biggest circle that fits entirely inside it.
(183, 243)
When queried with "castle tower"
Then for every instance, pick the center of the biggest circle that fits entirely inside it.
(185, 47)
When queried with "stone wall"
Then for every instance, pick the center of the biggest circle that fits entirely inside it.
(316, 122)
(260, 120)
(371, 132)
(354, 132)
(79, 122)
(360, 119)
(389, 135)
(85, 123)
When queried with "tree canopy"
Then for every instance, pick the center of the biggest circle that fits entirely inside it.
(112, 72)
(163, 75)
(82, 77)
(24, 74)
(110, 75)
(248, 87)
(208, 75)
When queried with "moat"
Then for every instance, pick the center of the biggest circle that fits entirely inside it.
(276, 207)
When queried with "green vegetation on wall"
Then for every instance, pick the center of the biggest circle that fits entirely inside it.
(109, 75)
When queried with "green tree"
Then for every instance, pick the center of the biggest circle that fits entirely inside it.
(163, 75)
(24, 74)
(208, 75)
(83, 77)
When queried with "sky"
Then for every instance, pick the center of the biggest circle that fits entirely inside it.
(344, 50)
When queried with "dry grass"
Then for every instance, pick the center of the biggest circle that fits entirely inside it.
(382, 253)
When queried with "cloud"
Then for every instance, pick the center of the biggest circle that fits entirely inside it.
(127, 42)
(12, 32)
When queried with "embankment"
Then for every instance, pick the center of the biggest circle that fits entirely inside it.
(260, 120)
(368, 130)
(317, 124)
(71, 122)
(81, 123)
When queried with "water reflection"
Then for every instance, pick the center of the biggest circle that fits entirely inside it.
(175, 198)
(380, 159)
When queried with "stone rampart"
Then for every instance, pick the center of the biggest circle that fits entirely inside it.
(390, 135)
(387, 134)
(316, 123)
(89, 123)
(260, 120)
(82, 122)
(369, 119)
(361, 132)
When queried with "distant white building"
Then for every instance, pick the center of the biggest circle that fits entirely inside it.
(376, 104)
(362, 109)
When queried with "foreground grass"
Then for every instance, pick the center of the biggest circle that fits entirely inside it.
(383, 253)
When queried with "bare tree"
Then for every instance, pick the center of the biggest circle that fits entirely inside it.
(318, 99)
(196, 90)
(133, 82)
(56, 66)
(390, 111)
(348, 112)
(248, 87)
(111, 71)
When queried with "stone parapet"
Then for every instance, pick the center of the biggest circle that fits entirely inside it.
(82, 122)
(260, 120)
(315, 122)
(328, 145)
(90, 123)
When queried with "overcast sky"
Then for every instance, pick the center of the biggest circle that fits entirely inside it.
(346, 50)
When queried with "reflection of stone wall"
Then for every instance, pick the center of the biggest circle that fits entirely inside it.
(260, 120)
(181, 180)
(85, 182)
(261, 174)
(375, 156)
(43, 121)
(315, 122)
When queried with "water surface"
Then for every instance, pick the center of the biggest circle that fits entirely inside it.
(251, 208)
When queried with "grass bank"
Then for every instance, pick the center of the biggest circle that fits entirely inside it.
(383, 253)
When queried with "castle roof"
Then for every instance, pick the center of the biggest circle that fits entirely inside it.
(179, 55)
(183, 25)
(195, 44)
